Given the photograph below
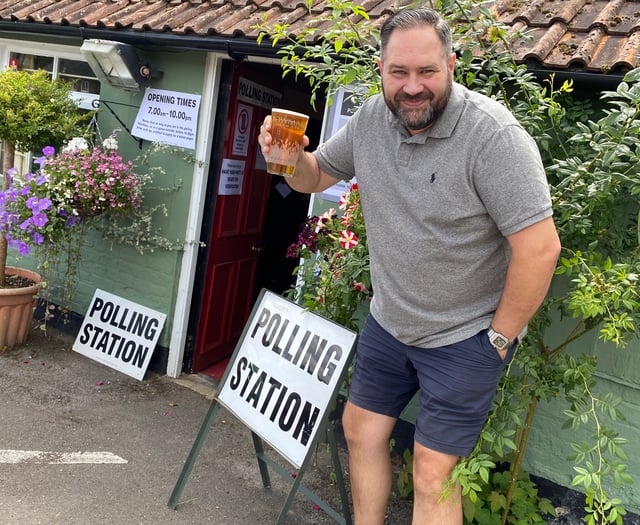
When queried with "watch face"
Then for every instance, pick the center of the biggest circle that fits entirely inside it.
(500, 341)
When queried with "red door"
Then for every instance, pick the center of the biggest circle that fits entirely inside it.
(237, 232)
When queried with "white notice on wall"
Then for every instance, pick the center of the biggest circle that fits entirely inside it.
(169, 117)
(284, 373)
(231, 176)
(119, 333)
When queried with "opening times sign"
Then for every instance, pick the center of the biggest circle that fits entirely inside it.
(284, 374)
(169, 117)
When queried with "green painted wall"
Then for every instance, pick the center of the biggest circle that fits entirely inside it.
(151, 278)
(618, 372)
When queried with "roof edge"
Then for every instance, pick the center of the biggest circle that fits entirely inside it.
(236, 47)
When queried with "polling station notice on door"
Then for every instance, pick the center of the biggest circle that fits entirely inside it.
(169, 117)
(119, 333)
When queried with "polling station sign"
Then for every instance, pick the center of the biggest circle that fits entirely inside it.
(284, 373)
(119, 333)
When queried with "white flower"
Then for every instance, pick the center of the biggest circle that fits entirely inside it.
(110, 143)
(75, 144)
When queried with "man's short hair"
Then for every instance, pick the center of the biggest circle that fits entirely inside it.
(411, 18)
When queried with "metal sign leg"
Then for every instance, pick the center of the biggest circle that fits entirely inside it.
(264, 461)
(191, 458)
(344, 498)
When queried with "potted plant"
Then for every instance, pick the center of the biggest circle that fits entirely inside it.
(35, 111)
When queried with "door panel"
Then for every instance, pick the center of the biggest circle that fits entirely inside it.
(237, 233)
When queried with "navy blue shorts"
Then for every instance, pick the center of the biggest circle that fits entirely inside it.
(457, 384)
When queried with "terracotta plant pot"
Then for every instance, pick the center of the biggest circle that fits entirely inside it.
(16, 308)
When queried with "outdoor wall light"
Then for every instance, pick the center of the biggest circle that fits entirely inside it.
(116, 63)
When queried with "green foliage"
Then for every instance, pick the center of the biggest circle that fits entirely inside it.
(591, 159)
(139, 228)
(36, 111)
(331, 52)
(488, 506)
(602, 458)
(405, 476)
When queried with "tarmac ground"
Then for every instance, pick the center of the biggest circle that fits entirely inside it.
(82, 443)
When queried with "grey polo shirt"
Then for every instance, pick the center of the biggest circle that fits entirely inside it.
(437, 208)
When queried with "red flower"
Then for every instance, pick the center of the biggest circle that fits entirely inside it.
(360, 287)
(344, 201)
(348, 239)
(325, 218)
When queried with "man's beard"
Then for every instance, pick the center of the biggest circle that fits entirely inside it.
(419, 118)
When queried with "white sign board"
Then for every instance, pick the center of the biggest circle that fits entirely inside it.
(169, 117)
(336, 115)
(284, 374)
(231, 177)
(119, 333)
(257, 94)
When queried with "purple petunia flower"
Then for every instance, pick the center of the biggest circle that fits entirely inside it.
(38, 238)
(48, 151)
(23, 248)
(40, 219)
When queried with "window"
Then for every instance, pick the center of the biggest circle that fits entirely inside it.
(61, 62)
(86, 87)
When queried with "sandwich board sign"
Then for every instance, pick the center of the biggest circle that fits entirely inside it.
(283, 377)
(284, 374)
(119, 333)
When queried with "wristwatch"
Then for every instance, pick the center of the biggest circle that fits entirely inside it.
(499, 341)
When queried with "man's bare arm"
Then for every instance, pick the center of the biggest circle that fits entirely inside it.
(534, 254)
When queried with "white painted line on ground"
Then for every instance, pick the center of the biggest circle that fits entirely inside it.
(59, 458)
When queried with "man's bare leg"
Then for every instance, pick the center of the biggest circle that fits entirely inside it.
(368, 435)
(433, 503)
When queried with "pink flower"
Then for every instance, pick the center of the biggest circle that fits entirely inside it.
(348, 239)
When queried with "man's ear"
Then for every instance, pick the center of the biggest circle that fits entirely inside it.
(452, 63)
(379, 62)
